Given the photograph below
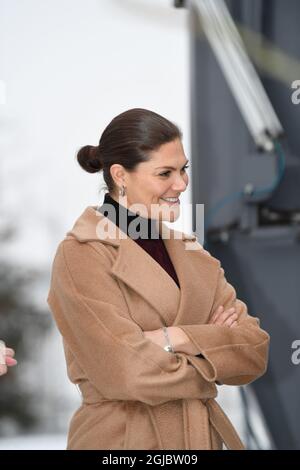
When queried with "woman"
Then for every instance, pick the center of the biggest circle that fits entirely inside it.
(6, 358)
(149, 323)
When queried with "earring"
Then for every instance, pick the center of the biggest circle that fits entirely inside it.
(122, 191)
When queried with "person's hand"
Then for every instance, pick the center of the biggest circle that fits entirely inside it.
(224, 317)
(6, 358)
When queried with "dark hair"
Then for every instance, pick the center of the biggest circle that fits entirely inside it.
(126, 141)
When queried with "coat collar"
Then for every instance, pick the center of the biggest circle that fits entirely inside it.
(196, 271)
(92, 225)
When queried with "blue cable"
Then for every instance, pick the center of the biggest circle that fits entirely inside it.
(237, 194)
(280, 154)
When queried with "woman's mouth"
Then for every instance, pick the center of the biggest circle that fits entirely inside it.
(171, 200)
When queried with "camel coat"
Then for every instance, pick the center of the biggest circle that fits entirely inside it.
(105, 291)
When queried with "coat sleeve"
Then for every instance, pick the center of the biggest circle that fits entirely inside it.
(92, 316)
(232, 356)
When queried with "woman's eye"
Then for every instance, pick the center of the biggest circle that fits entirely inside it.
(166, 173)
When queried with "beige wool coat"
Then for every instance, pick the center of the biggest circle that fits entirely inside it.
(105, 291)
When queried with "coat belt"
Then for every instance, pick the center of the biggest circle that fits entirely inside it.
(197, 413)
(205, 413)
(223, 426)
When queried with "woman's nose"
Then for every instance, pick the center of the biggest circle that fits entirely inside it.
(180, 184)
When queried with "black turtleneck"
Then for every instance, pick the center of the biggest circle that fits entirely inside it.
(152, 242)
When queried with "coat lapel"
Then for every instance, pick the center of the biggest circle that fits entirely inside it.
(195, 270)
(197, 276)
(139, 271)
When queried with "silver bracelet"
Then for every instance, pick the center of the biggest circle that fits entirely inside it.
(168, 347)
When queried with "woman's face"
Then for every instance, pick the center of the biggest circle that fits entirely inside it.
(153, 182)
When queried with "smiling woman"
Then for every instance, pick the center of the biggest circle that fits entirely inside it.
(145, 335)
(133, 151)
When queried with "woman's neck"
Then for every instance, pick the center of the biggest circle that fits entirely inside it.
(142, 227)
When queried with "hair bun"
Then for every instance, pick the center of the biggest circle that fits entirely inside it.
(88, 158)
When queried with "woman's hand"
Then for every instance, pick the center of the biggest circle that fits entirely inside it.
(6, 359)
(181, 342)
(220, 317)
(224, 317)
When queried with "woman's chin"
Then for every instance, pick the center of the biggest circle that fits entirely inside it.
(170, 215)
